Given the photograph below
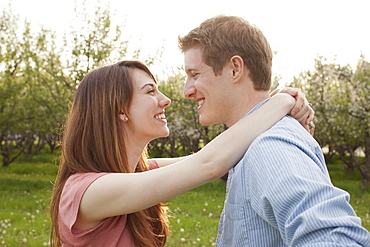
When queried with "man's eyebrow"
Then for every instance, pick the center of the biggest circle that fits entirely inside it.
(190, 70)
(148, 84)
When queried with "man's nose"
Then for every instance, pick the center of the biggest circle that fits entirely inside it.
(189, 89)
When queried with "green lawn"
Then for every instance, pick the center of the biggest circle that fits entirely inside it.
(25, 193)
(26, 187)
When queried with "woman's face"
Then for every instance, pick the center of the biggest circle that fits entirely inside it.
(146, 118)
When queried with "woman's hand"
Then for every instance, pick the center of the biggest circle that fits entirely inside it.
(302, 110)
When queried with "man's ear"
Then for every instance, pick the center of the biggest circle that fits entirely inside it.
(237, 66)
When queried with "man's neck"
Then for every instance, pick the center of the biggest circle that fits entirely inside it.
(249, 101)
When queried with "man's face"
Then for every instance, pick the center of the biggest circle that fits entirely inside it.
(209, 90)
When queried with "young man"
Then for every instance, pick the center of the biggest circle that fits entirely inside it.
(280, 193)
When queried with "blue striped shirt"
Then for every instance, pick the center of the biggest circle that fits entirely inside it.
(280, 194)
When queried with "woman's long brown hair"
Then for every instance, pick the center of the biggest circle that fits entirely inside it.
(93, 141)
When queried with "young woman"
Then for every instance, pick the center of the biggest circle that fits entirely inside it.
(104, 194)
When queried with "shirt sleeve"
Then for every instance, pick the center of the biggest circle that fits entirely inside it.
(291, 189)
(71, 197)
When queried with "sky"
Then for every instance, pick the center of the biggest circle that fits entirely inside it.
(298, 30)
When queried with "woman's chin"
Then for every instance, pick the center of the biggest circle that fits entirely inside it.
(164, 134)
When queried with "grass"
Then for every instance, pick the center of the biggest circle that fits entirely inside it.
(26, 187)
(195, 215)
(351, 182)
(25, 193)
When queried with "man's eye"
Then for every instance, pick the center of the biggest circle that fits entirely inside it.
(195, 75)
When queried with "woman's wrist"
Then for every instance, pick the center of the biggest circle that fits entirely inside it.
(285, 100)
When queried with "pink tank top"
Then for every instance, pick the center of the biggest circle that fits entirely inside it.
(110, 232)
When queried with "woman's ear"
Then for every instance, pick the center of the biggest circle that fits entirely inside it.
(123, 117)
(237, 66)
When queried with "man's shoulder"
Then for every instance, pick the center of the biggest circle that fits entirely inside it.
(287, 138)
(287, 126)
(288, 131)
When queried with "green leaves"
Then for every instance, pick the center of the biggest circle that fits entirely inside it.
(38, 78)
(341, 99)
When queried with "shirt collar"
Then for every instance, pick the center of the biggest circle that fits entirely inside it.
(256, 107)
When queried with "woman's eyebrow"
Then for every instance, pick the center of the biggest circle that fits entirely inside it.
(148, 84)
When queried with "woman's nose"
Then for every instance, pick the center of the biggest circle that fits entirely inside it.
(165, 101)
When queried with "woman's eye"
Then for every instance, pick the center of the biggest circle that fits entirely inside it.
(151, 91)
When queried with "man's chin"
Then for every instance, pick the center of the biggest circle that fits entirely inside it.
(204, 121)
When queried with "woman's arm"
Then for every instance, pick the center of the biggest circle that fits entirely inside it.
(162, 162)
(302, 110)
(123, 193)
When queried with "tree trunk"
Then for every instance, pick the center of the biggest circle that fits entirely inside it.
(366, 167)
(7, 160)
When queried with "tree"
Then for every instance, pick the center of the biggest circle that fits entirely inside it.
(340, 98)
(360, 110)
(37, 83)
(11, 87)
(94, 42)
